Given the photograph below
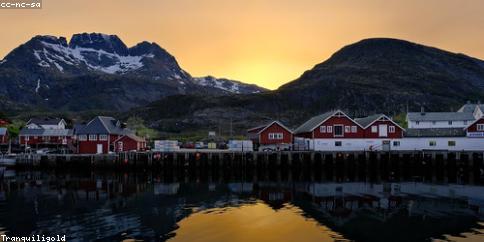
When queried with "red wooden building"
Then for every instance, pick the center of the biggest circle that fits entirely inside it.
(99, 136)
(129, 142)
(3, 136)
(4, 123)
(272, 136)
(380, 126)
(476, 129)
(45, 138)
(334, 124)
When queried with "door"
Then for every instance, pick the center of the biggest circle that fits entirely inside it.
(382, 130)
(99, 148)
(338, 130)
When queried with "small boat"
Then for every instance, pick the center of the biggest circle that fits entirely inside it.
(7, 160)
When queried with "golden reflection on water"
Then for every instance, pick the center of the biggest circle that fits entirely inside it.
(254, 222)
(476, 236)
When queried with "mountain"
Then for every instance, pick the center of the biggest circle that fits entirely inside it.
(370, 76)
(229, 86)
(95, 71)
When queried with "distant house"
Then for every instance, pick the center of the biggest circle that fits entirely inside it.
(129, 142)
(427, 120)
(3, 136)
(477, 109)
(103, 134)
(46, 123)
(271, 136)
(476, 129)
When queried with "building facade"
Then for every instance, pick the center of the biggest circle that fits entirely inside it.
(272, 136)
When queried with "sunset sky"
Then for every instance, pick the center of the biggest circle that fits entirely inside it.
(266, 42)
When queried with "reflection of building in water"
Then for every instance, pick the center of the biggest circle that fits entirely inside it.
(241, 187)
(342, 200)
(166, 189)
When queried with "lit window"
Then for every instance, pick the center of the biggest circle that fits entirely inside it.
(353, 129)
(391, 129)
(276, 135)
(103, 137)
(374, 129)
(82, 137)
(92, 137)
(451, 143)
(322, 129)
(347, 129)
(432, 143)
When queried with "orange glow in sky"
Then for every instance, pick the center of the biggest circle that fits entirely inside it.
(266, 42)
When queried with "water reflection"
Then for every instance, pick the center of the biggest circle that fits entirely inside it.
(227, 207)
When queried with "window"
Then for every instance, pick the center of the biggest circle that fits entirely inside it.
(433, 122)
(103, 137)
(480, 127)
(391, 129)
(450, 122)
(465, 122)
(374, 129)
(322, 129)
(337, 143)
(353, 129)
(92, 137)
(347, 129)
(417, 122)
(451, 143)
(82, 137)
(330, 129)
(338, 130)
(27, 138)
(275, 135)
(432, 143)
(396, 143)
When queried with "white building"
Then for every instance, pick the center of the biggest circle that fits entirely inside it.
(477, 109)
(431, 120)
(46, 123)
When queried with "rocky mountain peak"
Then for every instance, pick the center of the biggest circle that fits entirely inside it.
(98, 41)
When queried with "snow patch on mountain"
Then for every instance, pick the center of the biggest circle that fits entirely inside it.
(226, 85)
(58, 54)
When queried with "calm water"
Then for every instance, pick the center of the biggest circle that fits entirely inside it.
(229, 207)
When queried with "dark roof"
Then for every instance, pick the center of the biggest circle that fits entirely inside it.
(435, 132)
(101, 125)
(3, 131)
(44, 121)
(309, 125)
(368, 120)
(467, 108)
(440, 116)
(46, 132)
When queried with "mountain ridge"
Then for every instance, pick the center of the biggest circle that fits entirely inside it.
(47, 67)
(371, 76)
